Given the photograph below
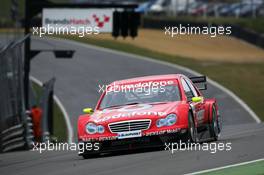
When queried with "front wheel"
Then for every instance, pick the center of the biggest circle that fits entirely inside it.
(214, 125)
(192, 135)
(89, 156)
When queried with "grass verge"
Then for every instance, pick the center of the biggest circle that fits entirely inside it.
(59, 124)
(245, 79)
(256, 168)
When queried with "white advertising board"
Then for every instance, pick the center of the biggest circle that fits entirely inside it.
(101, 19)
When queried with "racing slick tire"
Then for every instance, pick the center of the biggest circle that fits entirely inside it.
(192, 130)
(89, 156)
(191, 135)
(214, 125)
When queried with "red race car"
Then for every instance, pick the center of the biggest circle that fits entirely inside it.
(149, 111)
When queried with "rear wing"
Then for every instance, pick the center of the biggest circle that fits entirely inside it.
(200, 82)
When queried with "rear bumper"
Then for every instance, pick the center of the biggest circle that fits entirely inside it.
(133, 143)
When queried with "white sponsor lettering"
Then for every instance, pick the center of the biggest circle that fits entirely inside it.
(131, 114)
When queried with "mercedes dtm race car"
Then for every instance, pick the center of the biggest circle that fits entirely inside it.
(149, 111)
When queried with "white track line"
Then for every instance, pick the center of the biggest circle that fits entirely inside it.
(217, 85)
(63, 110)
(224, 167)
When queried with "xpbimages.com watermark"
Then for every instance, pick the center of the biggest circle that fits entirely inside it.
(80, 31)
(141, 87)
(211, 31)
(213, 147)
(172, 147)
(80, 147)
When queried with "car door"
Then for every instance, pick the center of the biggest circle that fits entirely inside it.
(198, 107)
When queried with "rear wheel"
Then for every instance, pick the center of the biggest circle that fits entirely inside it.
(214, 125)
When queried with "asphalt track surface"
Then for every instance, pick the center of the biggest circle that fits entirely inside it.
(76, 86)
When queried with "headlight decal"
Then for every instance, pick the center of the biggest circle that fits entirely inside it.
(92, 128)
(100, 129)
(170, 120)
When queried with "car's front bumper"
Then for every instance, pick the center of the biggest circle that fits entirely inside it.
(107, 146)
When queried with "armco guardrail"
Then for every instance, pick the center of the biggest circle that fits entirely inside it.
(237, 31)
(15, 125)
(47, 106)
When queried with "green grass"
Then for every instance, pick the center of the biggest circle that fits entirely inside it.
(255, 24)
(245, 79)
(5, 17)
(59, 124)
(256, 168)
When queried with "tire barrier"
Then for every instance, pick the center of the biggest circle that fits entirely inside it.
(12, 138)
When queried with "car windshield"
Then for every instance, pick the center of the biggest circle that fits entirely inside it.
(141, 95)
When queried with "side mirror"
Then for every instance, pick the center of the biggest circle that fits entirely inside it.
(88, 110)
(197, 99)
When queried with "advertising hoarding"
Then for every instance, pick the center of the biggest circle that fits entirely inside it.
(95, 19)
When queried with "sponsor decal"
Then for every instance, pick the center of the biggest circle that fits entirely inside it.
(129, 134)
(104, 138)
(130, 114)
(132, 111)
(114, 87)
(168, 131)
(94, 18)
